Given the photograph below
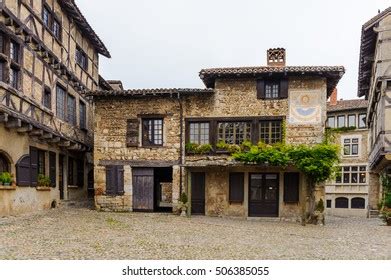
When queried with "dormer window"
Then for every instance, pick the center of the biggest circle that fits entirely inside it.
(272, 89)
(81, 58)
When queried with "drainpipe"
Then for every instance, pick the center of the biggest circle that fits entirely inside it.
(181, 150)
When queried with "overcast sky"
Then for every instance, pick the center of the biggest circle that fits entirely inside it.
(165, 43)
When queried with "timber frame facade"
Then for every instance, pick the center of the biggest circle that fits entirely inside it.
(143, 156)
(49, 59)
(375, 84)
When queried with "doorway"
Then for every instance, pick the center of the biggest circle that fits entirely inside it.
(263, 195)
(198, 193)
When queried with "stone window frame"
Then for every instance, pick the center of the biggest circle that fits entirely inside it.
(338, 121)
(349, 143)
(328, 122)
(272, 89)
(359, 120)
(346, 173)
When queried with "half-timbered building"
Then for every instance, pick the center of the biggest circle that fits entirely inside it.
(49, 59)
(141, 156)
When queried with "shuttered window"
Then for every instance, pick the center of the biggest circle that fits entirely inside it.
(52, 169)
(23, 177)
(236, 187)
(291, 187)
(114, 180)
(275, 89)
(132, 130)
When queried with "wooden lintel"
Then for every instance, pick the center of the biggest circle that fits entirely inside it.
(13, 123)
(3, 118)
(64, 144)
(36, 132)
(54, 140)
(25, 128)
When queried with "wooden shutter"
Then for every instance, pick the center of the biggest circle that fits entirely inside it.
(52, 169)
(80, 173)
(284, 88)
(120, 180)
(260, 89)
(23, 176)
(236, 187)
(33, 166)
(110, 180)
(132, 130)
(291, 187)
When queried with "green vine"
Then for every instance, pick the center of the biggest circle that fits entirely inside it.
(198, 149)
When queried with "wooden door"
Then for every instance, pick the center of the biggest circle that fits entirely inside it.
(198, 193)
(263, 195)
(143, 189)
(61, 176)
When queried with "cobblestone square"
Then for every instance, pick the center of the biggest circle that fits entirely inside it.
(87, 234)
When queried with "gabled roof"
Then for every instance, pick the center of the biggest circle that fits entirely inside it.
(332, 73)
(367, 52)
(348, 105)
(150, 92)
(74, 12)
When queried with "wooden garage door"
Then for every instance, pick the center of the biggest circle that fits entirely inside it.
(143, 189)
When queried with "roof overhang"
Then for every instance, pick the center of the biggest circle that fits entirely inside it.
(159, 92)
(332, 73)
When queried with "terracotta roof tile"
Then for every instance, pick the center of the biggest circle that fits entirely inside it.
(346, 105)
(150, 92)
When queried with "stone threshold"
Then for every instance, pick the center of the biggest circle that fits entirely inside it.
(43, 189)
(7, 188)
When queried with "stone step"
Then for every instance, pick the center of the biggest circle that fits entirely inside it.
(373, 214)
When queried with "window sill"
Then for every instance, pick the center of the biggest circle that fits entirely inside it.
(7, 188)
(43, 189)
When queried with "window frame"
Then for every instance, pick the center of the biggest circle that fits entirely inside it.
(71, 105)
(272, 84)
(151, 142)
(349, 145)
(81, 58)
(270, 132)
(355, 120)
(199, 135)
(52, 18)
(82, 115)
(328, 122)
(350, 171)
(62, 112)
(47, 103)
(234, 133)
(338, 122)
(358, 120)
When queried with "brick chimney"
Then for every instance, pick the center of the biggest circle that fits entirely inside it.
(276, 57)
(334, 97)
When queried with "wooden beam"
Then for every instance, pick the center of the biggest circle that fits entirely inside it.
(36, 132)
(25, 128)
(46, 136)
(55, 140)
(13, 123)
(3, 118)
(74, 147)
(64, 144)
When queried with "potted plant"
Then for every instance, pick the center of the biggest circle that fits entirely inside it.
(6, 178)
(183, 204)
(319, 212)
(43, 181)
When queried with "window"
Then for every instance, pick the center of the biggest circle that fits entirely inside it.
(362, 118)
(56, 29)
(1, 43)
(81, 58)
(4, 164)
(234, 132)
(341, 202)
(352, 121)
(153, 132)
(71, 171)
(350, 146)
(83, 115)
(328, 203)
(47, 98)
(14, 51)
(2, 66)
(46, 17)
(272, 90)
(341, 121)
(331, 122)
(270, 132)
(236, 187)
(132, 133)
(71, 109)
(14, 77)
(60, 102)
(358, 203)
(291, 187)
(199, 133)
(352, 175)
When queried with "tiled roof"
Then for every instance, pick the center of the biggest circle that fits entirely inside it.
(332, 73)
(346, 105)
(150, 92)
(367, 50)
(74, 12)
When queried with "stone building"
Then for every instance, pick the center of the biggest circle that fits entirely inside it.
(375, 85)
(142, 137)
(356, 190)
(49, 59)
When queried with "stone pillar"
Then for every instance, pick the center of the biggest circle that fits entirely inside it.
(176, 181)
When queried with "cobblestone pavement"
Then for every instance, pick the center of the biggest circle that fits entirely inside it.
(87, 234)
